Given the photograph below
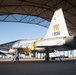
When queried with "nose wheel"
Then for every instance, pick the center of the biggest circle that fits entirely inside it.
(16, 56)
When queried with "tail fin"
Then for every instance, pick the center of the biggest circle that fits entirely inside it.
(58, 26)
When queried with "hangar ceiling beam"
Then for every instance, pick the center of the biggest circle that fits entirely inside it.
(70, 3)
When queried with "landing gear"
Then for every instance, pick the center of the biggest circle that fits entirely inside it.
(47, 54)
(16, 56)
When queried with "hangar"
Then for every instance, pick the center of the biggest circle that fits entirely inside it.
(38, 12)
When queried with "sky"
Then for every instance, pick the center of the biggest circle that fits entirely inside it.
(10, 31)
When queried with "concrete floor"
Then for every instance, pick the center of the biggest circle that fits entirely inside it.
(65, 67)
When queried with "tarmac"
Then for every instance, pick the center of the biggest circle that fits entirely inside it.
(38, 67)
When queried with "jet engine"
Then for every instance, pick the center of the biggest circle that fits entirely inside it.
(70, 41)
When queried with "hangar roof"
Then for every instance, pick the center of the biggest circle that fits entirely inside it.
(38, 12)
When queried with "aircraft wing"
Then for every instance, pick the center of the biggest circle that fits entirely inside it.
(22, 46)
(9, 44)
(2, 53)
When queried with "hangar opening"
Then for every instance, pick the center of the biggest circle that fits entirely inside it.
(38, 12)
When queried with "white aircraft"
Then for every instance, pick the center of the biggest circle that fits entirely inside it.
(57, 38)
